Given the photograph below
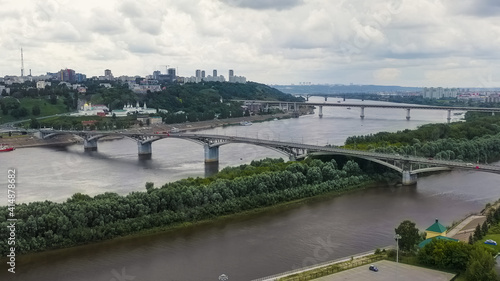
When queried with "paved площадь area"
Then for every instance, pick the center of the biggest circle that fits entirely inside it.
(389, 271)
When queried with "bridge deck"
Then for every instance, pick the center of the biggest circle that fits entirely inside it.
(207, 138)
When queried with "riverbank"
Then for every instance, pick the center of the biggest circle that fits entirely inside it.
(218, 220)
(210, 124)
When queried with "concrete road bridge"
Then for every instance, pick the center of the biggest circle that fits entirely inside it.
(295, 105)
(408, 166)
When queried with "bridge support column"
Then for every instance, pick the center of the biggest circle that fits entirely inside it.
(295, 107)
(449, 116)
(409, 179)
(211, 154)
(90, 145)
(307, 98)
(362, 112)
(320, 111)
(326, 98)
(408, 114)
(144, 149)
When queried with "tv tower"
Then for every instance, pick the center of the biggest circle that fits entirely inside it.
(22, 63)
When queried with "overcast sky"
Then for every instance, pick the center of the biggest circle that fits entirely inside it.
(387, 42)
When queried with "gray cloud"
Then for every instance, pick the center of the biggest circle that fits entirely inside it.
(264, 4)
(479, 8)
(104, 22)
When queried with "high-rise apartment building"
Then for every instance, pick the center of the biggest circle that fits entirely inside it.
(67, 75)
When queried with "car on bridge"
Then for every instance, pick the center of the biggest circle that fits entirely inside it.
(163, 133)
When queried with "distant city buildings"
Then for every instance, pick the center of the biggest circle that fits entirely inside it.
(144, 86)
(200, 77)
(460, 94)
(42, 84)
(439, 92)
(236, 79)
(67, 75)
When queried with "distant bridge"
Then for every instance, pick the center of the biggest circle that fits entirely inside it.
(211, 143)
(296, 105)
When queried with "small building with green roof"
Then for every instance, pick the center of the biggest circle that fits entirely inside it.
(429, 240)
(434, 230)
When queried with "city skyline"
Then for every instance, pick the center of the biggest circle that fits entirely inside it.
(424, 43)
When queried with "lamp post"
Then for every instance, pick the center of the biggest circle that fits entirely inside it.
(397, 237)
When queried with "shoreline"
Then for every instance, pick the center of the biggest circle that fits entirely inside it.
(162, 230)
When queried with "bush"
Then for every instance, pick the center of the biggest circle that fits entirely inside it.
(391, 254)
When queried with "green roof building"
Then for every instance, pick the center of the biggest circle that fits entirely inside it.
(427, 241)
(434, 230)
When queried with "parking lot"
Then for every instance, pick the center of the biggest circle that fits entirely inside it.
(389, 271)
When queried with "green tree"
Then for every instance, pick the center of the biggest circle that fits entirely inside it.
(478, 234)
(150, 187)
(480, 266)
(35, 110)
(409, 235)
(484, 228)
(34, 124)
(471, 240)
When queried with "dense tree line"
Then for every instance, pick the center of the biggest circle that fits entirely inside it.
(83, 219)
(477, 140)
(474, 261)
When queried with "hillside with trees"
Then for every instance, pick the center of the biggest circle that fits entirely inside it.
(187, 102)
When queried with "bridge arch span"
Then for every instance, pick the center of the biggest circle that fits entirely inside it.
(381, 162)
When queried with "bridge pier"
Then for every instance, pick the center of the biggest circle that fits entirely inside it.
(144, 149)
(362, 112)
(320, 111)
(409, 179)
(449, 116)
(90, 145)
(326, 98)
(211, 154)
(408, 114)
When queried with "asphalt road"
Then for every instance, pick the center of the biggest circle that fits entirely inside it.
(389, 271)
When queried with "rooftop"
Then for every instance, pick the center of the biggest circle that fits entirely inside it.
(436, 227)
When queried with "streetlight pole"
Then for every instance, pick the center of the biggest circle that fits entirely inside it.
(397, 237)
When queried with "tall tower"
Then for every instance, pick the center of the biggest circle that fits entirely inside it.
(215, 73)
(22, 63)
(231, 73)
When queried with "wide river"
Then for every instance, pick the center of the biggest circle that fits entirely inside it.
(247, 247)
